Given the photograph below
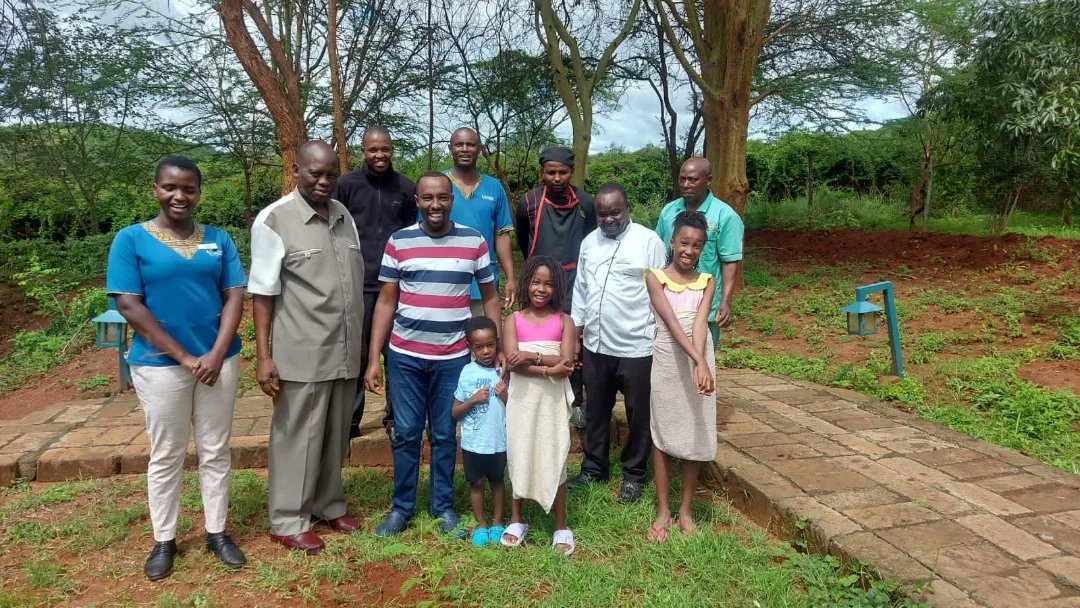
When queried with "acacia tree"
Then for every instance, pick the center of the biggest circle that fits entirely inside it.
(506, 92)
(727, 36)
(290, 68)
(335, 87)
(795, 62)
(277, 80)
(578, 73)
(654, 64)
(939, 31)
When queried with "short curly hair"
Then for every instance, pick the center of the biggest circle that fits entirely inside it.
(479, 323)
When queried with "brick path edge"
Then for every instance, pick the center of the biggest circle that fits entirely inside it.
(778, 506)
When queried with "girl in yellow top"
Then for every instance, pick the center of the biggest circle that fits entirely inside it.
(683, 406)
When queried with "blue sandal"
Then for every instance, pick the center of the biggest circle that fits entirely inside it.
(495, 533)
(480, 537)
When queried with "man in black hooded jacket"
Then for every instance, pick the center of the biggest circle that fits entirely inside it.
(381, 202)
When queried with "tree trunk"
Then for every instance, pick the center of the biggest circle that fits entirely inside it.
(929, 185)
(335, 88)
(725, 147)
(430, 91)
(727, 38)
(574, 84)
(279, 87)
(580, 145)
(248, 202)
(810, 190)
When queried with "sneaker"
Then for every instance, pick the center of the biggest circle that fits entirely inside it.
(160, 563)
(630, 491)
(583, 479)
(391, 432)
(450, 523)
(393, 524)
(225, 549)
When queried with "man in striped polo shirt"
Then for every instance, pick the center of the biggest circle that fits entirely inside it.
(427, 270)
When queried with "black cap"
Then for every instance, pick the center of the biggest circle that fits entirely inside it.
(558, 154)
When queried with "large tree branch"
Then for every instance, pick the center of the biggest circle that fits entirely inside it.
(662, 7)
(550, 41)
(273, 90)
(605, 57)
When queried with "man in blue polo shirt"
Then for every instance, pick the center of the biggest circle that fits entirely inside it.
(723, 248)
(481, 204)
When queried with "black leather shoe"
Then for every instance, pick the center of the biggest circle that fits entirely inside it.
(159, 564)
(630, 491)
(583, 479)
(225, 549)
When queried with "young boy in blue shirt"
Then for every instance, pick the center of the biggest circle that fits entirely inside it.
(480, 405)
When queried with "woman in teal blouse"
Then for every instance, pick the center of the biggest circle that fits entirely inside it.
(180, 285)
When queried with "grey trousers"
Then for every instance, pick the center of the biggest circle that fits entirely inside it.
(309, 435)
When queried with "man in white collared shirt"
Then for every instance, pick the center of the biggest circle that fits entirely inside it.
(612, 315)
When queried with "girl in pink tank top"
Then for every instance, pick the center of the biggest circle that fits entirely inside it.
(539, 341)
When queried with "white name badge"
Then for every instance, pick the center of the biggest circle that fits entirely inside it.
(208, 246)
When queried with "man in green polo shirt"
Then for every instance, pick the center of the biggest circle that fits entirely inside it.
(723, 248)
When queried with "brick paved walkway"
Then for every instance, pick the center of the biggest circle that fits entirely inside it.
(985, 526)
(103, 437)
(912, 499)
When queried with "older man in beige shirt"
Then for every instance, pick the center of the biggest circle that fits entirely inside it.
(307, 275)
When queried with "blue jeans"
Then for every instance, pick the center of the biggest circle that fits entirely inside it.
(423, 392)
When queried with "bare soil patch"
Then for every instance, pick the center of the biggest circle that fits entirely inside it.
(18, 316)
(1053, 374)
(931, 251)
(58, 385)
(966, 267)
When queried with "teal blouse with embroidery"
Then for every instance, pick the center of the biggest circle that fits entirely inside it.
(180, 281)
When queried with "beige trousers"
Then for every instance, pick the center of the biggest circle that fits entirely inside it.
(309, 435)
(174, 402)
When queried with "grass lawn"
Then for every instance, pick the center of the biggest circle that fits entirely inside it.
(83, 543)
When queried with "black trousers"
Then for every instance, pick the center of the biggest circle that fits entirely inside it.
(604, 375)
(370, 297)
(577, 385)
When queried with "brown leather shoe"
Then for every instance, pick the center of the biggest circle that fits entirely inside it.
(343, 523)
(305, 541)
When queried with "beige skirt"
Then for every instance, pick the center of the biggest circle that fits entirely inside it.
(538, 431)
(682, 421)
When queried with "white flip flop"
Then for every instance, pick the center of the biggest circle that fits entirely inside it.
(563, 537)
(517, 530)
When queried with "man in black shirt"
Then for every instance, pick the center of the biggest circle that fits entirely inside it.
(381, 202)
(552, 219)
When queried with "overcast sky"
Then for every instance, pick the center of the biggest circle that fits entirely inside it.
(635, 124)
